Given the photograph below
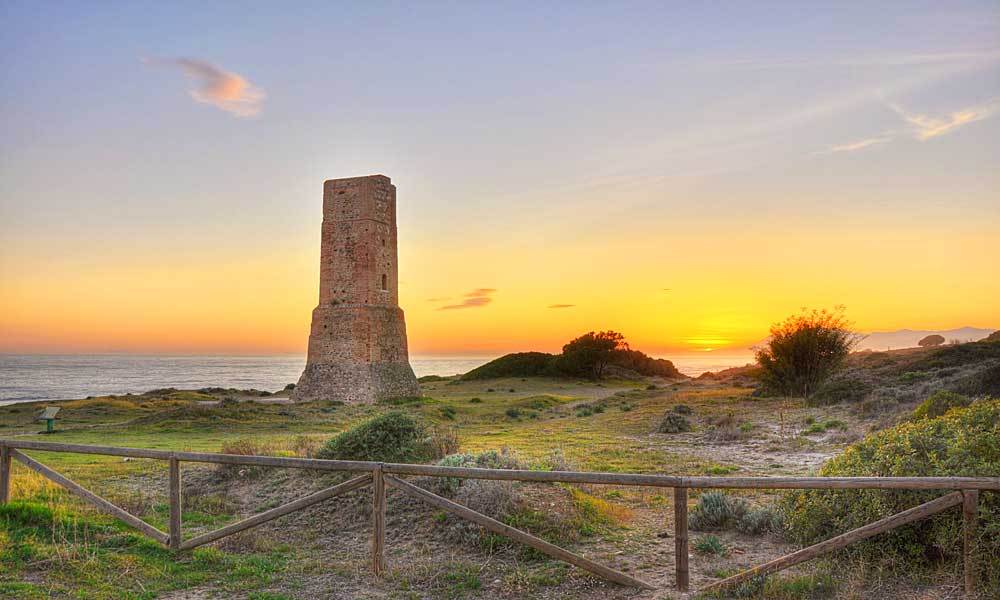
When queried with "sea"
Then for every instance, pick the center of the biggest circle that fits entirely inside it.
(34, 377)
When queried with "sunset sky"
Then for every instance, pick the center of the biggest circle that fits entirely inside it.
(683, 173)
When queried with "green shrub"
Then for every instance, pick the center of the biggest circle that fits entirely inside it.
(964, 442)
(717, 510)
(392, 437)
(939, 404)
(709, 544)
(513, 413)
(760, 521)
(673, 423)
(448, 412)
(489, 459)
(683, 409)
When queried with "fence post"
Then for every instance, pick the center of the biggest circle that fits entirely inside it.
(378, 521)
(5, 465)
(681, 537)
(175, 503)
(970, 509)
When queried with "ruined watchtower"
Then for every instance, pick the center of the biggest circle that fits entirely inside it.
(357, 344)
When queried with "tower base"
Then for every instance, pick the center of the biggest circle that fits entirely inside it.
(356, 384)
(357, 355)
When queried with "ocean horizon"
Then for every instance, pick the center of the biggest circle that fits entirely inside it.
(43, 377)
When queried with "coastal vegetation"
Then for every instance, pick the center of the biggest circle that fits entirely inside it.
(590, 356)
(920, 411)
(804, 351)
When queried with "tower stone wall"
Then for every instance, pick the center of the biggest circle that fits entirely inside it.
(357, 342)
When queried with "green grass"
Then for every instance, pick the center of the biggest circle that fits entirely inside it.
(107, 561)
(95, 557)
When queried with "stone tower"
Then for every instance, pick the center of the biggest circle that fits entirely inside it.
(357, 344)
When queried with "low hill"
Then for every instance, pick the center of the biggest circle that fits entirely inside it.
(538, 364)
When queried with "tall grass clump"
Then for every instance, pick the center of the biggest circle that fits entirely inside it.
(963, 442)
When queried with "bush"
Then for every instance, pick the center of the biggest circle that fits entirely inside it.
(804, 350)
(717, 510)
(392, 437)
(490, 459)
(964, 442)
(643, 364)
(673, 423)
(513, 413)
(448, 412)
(939, 404)
(683, 409)
(931, 341)
(709, 544)
(759, 522)
(589, 354)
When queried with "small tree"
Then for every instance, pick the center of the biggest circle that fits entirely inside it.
(931, 341)
(589, 354)
(804, 350)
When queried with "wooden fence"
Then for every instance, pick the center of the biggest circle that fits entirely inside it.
(963, 491)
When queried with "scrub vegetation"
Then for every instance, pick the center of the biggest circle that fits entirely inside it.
(52, 545)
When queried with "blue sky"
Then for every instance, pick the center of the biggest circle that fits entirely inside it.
(569, 131)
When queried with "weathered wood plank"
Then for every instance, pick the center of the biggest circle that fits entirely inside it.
(906, 483)
(912, 483)
(174, 492)
(204, 457)
(91, 497)
(5, 468)
(516, 534)
(378, 522)
(970, 517)
(836, 543)
(681, 538)
(274, 513)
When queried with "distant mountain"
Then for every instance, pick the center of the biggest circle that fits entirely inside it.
(908, 338)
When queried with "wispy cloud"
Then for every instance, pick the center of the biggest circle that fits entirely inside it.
(922, 127)
(440, 299)
(218, 87)
(477, 298)
(866, 60)
(480, 292)
(925, 127)
(860, 144)
(561, 305)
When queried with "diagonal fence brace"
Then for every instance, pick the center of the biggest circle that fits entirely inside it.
(516, 534)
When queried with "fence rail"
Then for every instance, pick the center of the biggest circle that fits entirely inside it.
(964, 492)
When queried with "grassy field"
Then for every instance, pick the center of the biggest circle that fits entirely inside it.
(53, 546)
